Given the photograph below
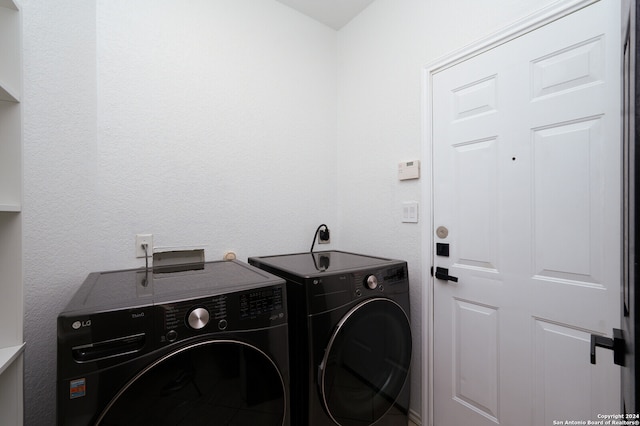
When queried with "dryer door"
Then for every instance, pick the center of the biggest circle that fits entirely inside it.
(215, 382)
(366, 363)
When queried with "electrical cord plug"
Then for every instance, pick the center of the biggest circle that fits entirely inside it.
(323, 234)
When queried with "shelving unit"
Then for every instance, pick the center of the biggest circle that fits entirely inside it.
(11, 297)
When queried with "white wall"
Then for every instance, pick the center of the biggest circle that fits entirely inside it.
(212, 124)
(228, 124)
(216, 126)
(60, 176)
(381, 56)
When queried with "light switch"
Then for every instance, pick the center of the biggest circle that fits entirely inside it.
(410, 212)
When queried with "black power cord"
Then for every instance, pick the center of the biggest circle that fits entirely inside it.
(324, 235)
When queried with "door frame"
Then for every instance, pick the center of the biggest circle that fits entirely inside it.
(631, 149)
(530, 23)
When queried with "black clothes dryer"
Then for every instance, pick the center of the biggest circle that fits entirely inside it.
(350, 337)
(206, 346)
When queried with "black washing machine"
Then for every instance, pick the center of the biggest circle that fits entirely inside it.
(350, 337)
(204, 346)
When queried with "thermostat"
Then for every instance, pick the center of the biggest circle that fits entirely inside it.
(409, 170)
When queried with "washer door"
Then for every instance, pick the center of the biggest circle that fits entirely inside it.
(221, 382)
(366, 363)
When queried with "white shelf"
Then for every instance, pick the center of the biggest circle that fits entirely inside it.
(10, 158)
(10, 208)
(10, 53)
(9, 355)
(7, 94)
(11, 274)
(9, 4)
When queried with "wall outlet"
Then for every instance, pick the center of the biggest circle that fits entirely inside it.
(142, 239)
(324, 237)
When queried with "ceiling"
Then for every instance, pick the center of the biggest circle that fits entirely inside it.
(334, 13)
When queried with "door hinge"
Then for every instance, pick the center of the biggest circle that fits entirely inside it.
(617, 345)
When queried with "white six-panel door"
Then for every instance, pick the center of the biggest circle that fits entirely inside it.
(526, 192)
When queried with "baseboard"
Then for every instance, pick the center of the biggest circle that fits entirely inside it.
(415, 418)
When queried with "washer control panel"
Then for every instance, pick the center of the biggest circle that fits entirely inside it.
(251, 309)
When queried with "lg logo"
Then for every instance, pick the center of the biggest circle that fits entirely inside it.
(79, 324)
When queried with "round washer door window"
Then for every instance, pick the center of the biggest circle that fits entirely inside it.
(208, 383)
(366, 363)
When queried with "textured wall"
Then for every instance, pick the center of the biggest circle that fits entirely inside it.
(381, 57)
(211, 125)
(379, 125)
(60, 199)
(216, 126)
(227, 124)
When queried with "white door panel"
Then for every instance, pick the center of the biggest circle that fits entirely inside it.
(526, 159)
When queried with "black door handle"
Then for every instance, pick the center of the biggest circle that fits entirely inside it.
(617, 345)
(443, 274)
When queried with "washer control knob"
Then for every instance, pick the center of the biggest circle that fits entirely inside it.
(371, 282)
(172, 335)
(222, 324)
(198, 318)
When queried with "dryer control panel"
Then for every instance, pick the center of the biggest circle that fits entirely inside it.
(332, 291)
(389, 280)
